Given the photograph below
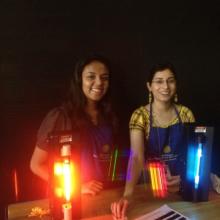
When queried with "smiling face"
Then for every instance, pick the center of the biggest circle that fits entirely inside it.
(95, 81)
(163, 86)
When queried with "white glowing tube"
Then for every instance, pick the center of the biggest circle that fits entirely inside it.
(198, 162)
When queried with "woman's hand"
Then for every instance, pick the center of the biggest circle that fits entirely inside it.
(92, 187)
(172, 180)
(119, 209)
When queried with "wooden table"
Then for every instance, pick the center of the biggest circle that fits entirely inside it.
(98, 207)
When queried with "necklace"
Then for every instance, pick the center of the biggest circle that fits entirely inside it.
(162, 134)
(166, 148)
(164, 143)
(165, 123)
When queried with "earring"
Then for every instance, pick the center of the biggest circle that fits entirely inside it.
(150, 98)
(175, 98)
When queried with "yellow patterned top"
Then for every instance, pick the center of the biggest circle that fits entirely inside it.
(140, 118)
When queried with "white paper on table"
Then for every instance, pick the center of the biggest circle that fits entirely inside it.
(163, 213)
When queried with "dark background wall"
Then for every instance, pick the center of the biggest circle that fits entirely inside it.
(41, 40)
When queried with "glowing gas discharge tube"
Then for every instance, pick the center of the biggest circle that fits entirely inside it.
(67, 182)
(197, 168)
(64, 187)
(158, 179)
(114, 165)
(15, 177)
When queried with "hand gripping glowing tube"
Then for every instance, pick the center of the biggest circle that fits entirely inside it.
(158, 178)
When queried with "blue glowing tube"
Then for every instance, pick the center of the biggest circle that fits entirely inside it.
(197, 165)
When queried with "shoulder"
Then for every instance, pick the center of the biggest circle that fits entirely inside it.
(139, 118)
(142, 110)
(185, 114)
(53, 115)
(54, 120)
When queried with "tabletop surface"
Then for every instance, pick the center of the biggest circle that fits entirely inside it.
(98, 207)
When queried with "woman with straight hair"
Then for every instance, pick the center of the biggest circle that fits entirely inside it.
(156, 131)
(87, 109)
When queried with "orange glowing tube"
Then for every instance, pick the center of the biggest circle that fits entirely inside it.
(67, 180)
(58, 172)
(58, 192)
(155, 179)
(153, 184)
(15, 177)
(64, 184)
(163, 180)
(158, 179)
(58, 168)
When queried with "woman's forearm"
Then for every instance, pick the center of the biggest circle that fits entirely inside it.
(39, 163)
(41, 171)
(135, 166)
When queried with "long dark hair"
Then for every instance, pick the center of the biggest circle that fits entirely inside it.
(76, 100)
